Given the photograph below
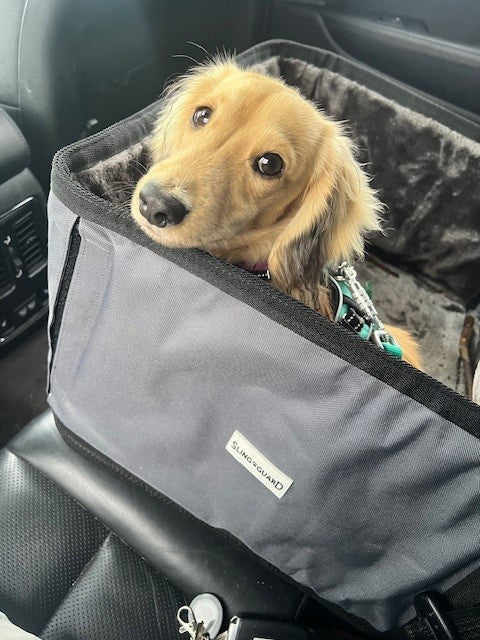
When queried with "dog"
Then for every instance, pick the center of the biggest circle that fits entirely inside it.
(247, 169)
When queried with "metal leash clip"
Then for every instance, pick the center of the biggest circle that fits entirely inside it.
(348, 273)
(380, 336)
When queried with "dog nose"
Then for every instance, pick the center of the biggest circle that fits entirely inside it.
(159, 208)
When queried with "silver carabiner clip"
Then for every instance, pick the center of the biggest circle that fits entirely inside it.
(195, 629)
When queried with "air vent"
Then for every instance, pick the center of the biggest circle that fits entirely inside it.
(6, 281)
(31, 248)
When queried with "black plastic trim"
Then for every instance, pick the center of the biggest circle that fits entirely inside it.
(430, 611)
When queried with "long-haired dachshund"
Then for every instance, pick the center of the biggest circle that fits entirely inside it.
(247, 169)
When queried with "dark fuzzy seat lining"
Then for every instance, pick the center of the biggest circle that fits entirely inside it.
(425, 173)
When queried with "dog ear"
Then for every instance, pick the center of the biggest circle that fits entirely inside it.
(175, 110)
(335, 211)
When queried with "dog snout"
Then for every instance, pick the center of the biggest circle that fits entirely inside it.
(160, 209)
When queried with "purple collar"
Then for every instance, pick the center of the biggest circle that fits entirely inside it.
(260, 269)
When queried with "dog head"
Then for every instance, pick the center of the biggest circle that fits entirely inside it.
(246, 168)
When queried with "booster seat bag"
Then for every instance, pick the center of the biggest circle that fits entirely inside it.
(349, 471)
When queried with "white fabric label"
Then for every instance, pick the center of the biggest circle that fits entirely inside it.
(259, 466)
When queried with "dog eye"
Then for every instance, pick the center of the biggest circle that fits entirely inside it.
(201, 116)
(270, 164)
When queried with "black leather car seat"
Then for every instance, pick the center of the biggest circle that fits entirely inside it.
(71, 67)
(87, 555)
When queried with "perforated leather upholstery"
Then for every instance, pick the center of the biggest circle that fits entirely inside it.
(87, 555)
(63, 574)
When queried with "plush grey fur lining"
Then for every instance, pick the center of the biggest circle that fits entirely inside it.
(425, 173)
(434, 319)
(114, 179)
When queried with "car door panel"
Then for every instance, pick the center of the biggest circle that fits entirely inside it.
(418, 43)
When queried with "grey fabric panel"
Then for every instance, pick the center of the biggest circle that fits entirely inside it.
(87, 288)
(384, 501)
(60, 225)
(436, 322)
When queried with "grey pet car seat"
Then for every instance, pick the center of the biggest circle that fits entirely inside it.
(349, 471)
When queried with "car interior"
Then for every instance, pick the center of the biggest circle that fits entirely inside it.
(86, 554)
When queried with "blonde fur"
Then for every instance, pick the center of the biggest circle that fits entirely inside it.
(311, 217)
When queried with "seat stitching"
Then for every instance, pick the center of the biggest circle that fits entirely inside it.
(95, 552)
(82, 572)
(152, 585)
(54, 482)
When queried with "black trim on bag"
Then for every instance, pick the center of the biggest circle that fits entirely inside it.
(240, 284)
(66, 277)
(79, 444)
(73, 249)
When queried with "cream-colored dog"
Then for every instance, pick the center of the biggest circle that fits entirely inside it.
(247, 169)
